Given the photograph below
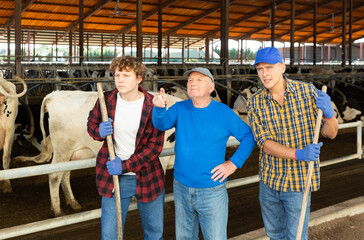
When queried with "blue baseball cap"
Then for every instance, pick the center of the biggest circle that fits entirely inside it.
(269, 55)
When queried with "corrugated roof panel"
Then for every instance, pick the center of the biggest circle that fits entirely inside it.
(49, 16)
(60, 14)
(54, 8)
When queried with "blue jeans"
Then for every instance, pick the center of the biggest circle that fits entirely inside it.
(281, 212)
(151, 213)
(205, 206)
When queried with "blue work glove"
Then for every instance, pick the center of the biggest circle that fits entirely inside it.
(114, 166)
(323, 102)
(309, 153)
(105, 128)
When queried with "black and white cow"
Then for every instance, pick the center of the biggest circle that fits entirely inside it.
(8, 112)
(68, 139)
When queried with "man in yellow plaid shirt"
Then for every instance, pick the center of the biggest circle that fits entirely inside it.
(282, 116)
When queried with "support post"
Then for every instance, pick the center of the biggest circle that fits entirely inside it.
(80, 29)
(272, 23)
(102, 47)
(167, 49)
(183, 51)
(293, 11)
(56, 46)
(151, 49)
(70, 47)
(343, 42)
(28, 43)
(224, 28)
(350, 30)
(139, 30)
(88, 49)
(9, 34)
(160, 31)
(17, 14)
(123, 43)
(207, 50)
(314, 32)
(299, 53)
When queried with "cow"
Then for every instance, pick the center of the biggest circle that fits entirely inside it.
(351, 113)
(346, 114)
(337, 113)
(68, 139)
(241, 102)
(8, 112)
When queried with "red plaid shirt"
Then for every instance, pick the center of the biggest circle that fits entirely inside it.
(144, 162)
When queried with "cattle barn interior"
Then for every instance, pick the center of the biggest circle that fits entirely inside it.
(321, 42)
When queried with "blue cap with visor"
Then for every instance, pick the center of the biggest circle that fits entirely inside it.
(269, 55)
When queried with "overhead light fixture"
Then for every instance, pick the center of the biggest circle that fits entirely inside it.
(333, 22)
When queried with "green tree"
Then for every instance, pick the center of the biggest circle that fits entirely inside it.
(233, 53)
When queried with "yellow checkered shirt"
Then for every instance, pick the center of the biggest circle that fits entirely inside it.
(291, 125)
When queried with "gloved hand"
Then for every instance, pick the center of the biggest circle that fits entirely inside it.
(105, 128)
(323, 102)
(114, 166)
(309, 153)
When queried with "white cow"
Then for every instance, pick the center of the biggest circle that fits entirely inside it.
(350, 113)
(8, 111)
(241, 103)
(337, 113)
(68, 139)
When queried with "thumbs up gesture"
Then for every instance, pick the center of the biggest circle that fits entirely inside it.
(160, 99)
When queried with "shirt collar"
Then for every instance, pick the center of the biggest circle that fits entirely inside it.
(289, 89)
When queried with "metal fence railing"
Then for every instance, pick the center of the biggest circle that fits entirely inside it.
(48, 224)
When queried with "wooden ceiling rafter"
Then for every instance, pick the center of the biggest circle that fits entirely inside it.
(244, 18)
(300, 13)
(337, 13)
(193, 19)
(144, 17)
(93, 10)
(339, 35)
(74, 24)
(11, 20)
(181, 18)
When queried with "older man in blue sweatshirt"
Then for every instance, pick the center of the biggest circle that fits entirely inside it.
(203, 127)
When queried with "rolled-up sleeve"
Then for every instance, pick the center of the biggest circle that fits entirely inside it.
(260, 132)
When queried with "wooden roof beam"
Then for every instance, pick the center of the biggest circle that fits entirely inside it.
(74, 25)
(144, 17)
(194, 19)
(237, 21)
(300, 13)
(11, 20)
(339, 33)
(244, 18)
(92, 11)
(338, 13)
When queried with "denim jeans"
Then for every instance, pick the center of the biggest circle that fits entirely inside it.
(281, 212)
(205, 206)
(151, 213)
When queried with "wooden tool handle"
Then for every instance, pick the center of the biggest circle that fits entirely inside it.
(110, 147)
(309, 174)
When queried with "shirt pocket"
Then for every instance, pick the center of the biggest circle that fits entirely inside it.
(302, 122)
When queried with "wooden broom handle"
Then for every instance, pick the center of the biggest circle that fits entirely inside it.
(110, 147)
(309, 174)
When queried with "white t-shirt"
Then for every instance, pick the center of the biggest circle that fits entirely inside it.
(126, 125)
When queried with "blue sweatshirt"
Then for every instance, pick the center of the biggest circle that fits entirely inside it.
(201, 137)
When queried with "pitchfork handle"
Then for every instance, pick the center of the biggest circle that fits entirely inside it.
(110, 147)
(309, 174)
